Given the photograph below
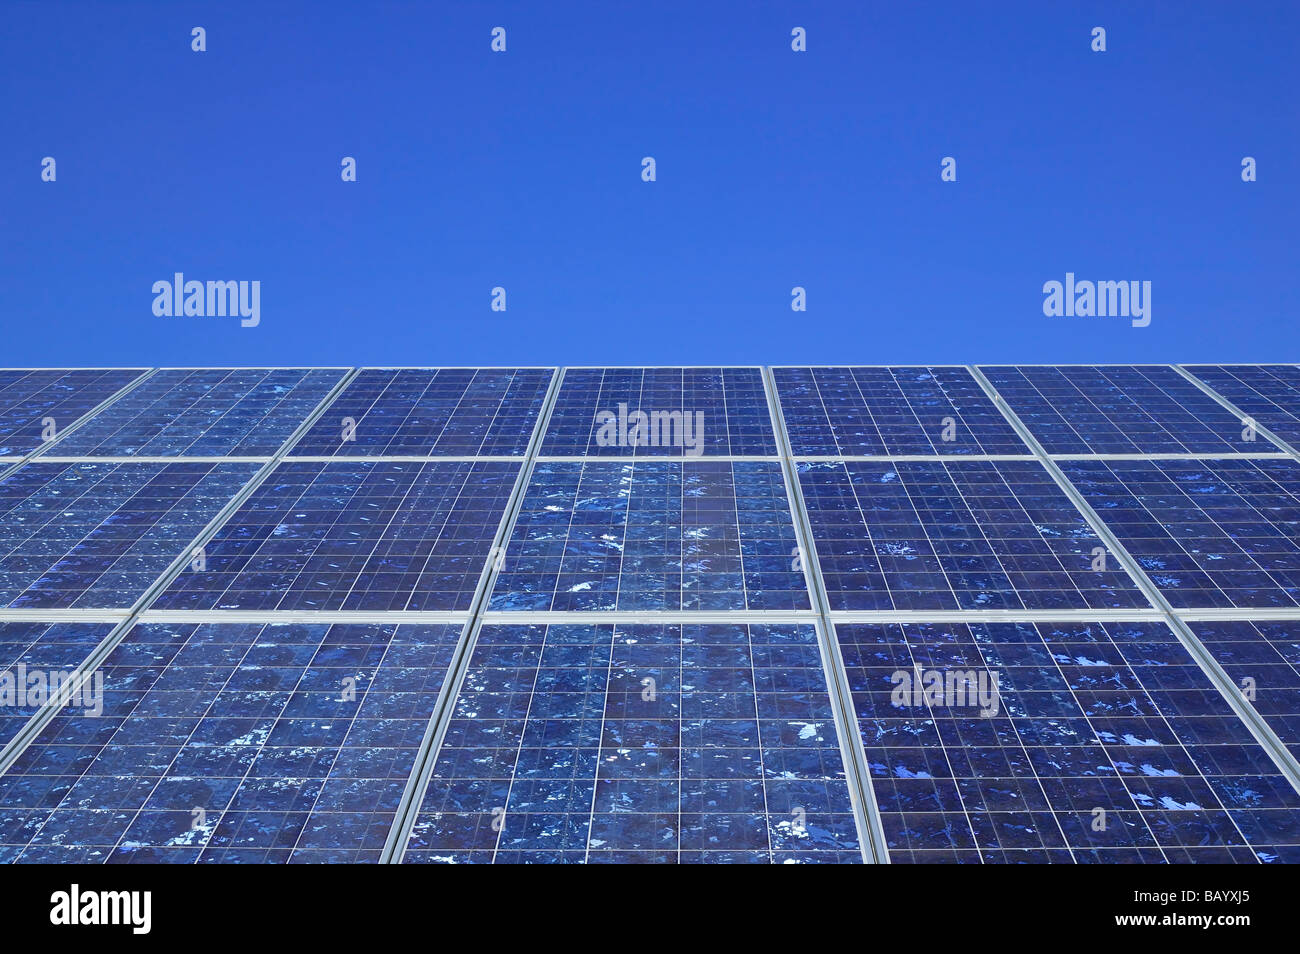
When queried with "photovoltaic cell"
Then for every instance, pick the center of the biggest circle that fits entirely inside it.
(232, 743)
(29, 398)
(1119, 409)
(650, 743)
(1263, 657)
(444, 412)
(1209, 533)
(653, 535)
(1269, 393)
(725, 410)
(97, 535)
(36, 658)
(917, 535)
(372, 535)
(859, 411)
(1106, 745)
(217, 412)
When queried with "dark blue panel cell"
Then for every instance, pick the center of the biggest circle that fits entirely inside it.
(1269, 393)
(1208, 532)
(1263, 658)
(204, 412)
(902, 410)
(444, 412)
(1060, 742)
(660, 412)
(374, 535)
(1118, 409)
(37, 660)
(653, 535)
(31, 399)
(650, 743)
(97, 535)
(914, 535)
(232, 743)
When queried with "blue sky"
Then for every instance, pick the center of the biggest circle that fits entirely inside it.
(523, 170)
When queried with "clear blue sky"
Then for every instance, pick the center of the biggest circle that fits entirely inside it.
(522, 170)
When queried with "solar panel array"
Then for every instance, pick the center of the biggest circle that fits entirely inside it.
(650, 615)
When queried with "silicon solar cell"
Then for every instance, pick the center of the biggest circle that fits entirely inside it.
(917, 535)
(372, 535)
(689, 412)
(653, 535)
(445, 412)
(36, 660)
(232, 743)
(1119, 409)
(99, 534)
(862, 411)
(1106, 745)
(653, 743)
(31, 398)
(1209, 533)
(204, 412)
(1269, 393)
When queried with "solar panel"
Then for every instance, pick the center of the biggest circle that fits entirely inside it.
(98, 534)
(38, 404)
(1269, 393)
(369, 535)
(1209, 533)
(36, 661)
(204, 412)
(956, 534)
(676, 412)
(653, 535)
(232, 743)
(653, 743)
(1119, 409)
(861, 411)
(1103, 743)
(445, 412)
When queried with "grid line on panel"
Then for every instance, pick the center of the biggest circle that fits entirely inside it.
(427, 754)
(46, 714)
(43, 448)
(1269, 392)
(1258, 727)
(1241, 415)
(871, 831)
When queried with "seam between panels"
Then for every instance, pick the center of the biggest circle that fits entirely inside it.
(43, 716)
(121, 392)
(871, 830)
(1241, 415)
(436, 730)
(1218, 677)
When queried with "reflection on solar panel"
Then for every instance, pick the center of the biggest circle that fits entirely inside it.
(204, 412)
(1118, 409)
(1269, 393)
(229, 743)
(1263, 657)
(901, 410)
(647, 743)
(373, 535)
(912, 535)
(1107, 745)
(446, 412)
(1208, 532)
(98, 534)
(31, 400)
(462, 615)
(653, 535)
(32, 653)
(725, 410)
